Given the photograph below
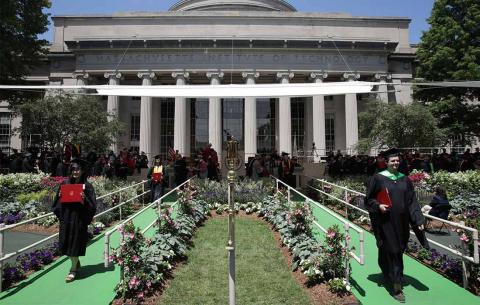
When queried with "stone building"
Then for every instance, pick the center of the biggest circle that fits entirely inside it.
(224, 42)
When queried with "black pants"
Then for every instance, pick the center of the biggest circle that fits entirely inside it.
(391, 265)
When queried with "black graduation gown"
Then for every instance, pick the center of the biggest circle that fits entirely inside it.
(74, 219)
(392, 228)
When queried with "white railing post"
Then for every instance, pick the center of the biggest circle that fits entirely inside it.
(106, 250)
(1, 256)
(347, 252)
(120, 202)
(288, 193)
(475, 247)
(345, 197)
(143, 196)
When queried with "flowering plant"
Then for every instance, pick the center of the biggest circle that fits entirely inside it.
(136, 281)
(417, 176)
(28, 262)
(300, 217)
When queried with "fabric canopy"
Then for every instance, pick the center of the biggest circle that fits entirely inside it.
(197, 91)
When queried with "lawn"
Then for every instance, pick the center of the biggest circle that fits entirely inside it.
(263, 276)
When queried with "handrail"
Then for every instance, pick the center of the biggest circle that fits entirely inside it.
(474, 259)
(7, 256)
(360, 259)
(8, 227)
(157, 202)
(24, 249)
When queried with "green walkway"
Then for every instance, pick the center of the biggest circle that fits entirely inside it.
(424, 286)
(95, 283)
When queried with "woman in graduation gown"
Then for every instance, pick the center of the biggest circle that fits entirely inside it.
(390, 224)
(74, 218)
(157, 186)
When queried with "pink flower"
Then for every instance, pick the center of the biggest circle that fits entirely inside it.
(120, 261)
(140, 295)
(149, 284)
(136, 259)
(331, 234)
(347, 238)
(133, 283)
(464, 238)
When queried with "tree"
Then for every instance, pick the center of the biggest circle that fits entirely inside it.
(450, 50)
(20, 23)
(60, 118)
(395, 125)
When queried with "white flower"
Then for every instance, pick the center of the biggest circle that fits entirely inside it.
(348, 288)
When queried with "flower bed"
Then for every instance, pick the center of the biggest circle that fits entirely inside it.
(25, 196)
(28, 263)
(146, 263)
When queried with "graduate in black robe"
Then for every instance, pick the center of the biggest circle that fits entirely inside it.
(74, 218)
(391, 225)
(157, 188)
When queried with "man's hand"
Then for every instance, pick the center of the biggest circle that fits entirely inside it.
(421, 227)
(383, 208)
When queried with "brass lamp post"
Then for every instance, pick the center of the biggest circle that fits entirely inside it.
(232, 161)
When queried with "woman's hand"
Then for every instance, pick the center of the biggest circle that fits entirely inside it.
(421, 227)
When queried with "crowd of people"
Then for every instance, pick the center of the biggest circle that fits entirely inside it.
(339, 165)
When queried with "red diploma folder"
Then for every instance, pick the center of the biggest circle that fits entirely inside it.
(157, 177)
(71, 193)
(384, 198)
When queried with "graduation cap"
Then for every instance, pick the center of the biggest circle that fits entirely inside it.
(285, 154)
(79, 163)
(157, 158)
(392, 152)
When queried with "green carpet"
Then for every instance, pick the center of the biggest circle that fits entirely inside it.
(424, 286)
(95, 283)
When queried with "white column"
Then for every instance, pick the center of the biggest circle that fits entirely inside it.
(81, 78)
(146, 111)
(250, 132)
(215, 116)
(403, 93)
(318, 118)
(113, 106)
(180, 138)
(284, 117)
(351, 116)
(382, 86)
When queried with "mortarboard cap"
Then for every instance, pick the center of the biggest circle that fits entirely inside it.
(392, 152)
(284, 153)
(83, 164)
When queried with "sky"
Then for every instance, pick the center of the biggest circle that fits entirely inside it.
(417, 10)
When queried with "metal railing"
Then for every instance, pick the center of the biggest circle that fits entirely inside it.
(157, 203)
(346, 224)
(473, 259)
(3, 227)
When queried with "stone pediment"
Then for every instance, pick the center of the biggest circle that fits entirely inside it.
(233, 5)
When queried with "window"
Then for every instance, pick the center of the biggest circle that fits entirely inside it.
(167, 115)
(266, 125)
(135, 127)
(199, 125)
(330, 131)
(5, 131)
(298, 123)
(233, 120)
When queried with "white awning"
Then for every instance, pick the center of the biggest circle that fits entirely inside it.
(234, 91)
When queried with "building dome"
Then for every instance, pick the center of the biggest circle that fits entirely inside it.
(233, 5)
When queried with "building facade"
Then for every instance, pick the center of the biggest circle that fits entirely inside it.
(233, 42)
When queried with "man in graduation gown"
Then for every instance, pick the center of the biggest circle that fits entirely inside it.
(74, 217)
(391, 223)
